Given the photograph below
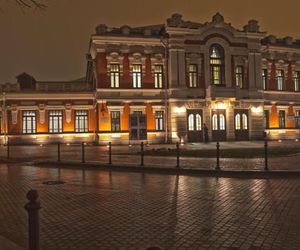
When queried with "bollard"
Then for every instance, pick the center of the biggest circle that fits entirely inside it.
(142, 153)
(177, 154)
(58, 151)
(82, 153)
(109, 153)
(33, 207)
(8, 149)
(218, 156)
(266, 156)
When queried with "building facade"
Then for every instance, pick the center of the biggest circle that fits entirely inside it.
(178, 81)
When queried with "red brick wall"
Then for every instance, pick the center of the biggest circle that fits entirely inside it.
(101, 69)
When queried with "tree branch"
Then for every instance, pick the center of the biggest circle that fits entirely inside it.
(25, 4)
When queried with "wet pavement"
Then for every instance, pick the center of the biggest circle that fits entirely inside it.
(111, 210)
(125, 156)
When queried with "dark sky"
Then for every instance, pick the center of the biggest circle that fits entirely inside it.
(51, 44)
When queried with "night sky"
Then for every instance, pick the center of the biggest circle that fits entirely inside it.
(51, 44)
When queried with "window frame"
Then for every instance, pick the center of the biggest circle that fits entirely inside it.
(282, 119)
(137, 76)
(217, 65)
(297, 118)
(264, 76)
(296, 81)
(115, 122)
(59, 120)
(267, 119)
(81, 114)
(193, 75)
(114, 72)
(239, 76)
(159, 120)
(33, 122)
(158, 76)
(280, 79)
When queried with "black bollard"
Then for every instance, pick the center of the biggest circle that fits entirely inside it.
(177, 154)
(266, 155)
(33, 207)
(142, 153)
(109, 153)
(58, 151)
(82, 153)
(218, 156)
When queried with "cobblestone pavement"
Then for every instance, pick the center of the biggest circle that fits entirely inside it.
(100, 154)
(112, 210)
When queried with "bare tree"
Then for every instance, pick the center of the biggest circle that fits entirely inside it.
(27, 4)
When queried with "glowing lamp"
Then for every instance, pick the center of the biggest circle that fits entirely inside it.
(220, 105)
(179, 110)
(258, 109)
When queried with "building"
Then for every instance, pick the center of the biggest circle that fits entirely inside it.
(166, 83)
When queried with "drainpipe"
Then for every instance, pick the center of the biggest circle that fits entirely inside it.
(165, 43)
(95, 102)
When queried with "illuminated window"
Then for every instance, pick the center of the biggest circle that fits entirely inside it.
(193, 75)
(158, 76)
(114, 75)
(159, 120)
(137, 75)
(296, 80)
(237, 121)
(297, 118)
(280, 79)
(191, 122)
(217, 65)
(198, 122)
(239, 76)
(222, 122)
(115, 121)
(245, 121)
(264, 78)
(215, 122)
(55, 121)
(81, 121)
(29, 122)
(281, 119)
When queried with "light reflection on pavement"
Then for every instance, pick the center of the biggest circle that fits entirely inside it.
(112, 210)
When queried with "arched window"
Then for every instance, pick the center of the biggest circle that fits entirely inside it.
(216, 60)
(198, 122)
(222, 122)
(191, 122)
(245, 121)
(215, 122)
(237, 121)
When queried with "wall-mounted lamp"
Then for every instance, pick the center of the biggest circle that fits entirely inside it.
(258, 109)
(180, 110)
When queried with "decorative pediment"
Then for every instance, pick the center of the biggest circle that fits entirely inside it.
(194, 105)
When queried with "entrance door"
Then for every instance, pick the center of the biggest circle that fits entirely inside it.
(241, 124)
(194, 125)
(138, 126)
(218, 122)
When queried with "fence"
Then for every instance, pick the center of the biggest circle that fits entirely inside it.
(133, 155)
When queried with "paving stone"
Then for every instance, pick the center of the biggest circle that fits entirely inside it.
(112, 210)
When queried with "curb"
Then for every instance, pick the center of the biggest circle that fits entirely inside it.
(175, 171)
